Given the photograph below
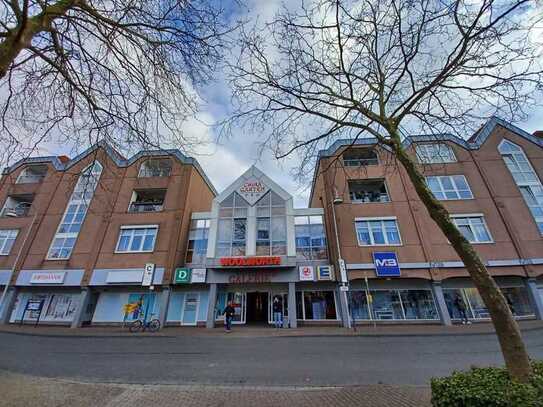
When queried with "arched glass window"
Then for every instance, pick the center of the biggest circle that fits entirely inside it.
(271, 226)
(525, 177)
(155, 167)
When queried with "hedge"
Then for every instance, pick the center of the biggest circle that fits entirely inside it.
(488, 386)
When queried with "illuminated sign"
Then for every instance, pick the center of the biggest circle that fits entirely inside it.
(252, 190)
(386, 264)
(307, 273)
(250, 261)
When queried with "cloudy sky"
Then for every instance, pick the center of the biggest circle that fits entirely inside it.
(225, 159)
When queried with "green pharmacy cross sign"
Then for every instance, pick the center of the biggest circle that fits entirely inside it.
(182, 276)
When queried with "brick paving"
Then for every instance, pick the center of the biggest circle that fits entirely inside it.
(22, 391)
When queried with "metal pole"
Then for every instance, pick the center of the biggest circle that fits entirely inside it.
(344, 279)
(12, 271)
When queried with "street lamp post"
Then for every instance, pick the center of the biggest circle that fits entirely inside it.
(344, 288)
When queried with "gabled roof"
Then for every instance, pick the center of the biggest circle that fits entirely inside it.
(473, 143)
(116, 157)
(253, 172)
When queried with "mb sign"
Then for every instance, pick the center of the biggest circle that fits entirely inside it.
(386, 264)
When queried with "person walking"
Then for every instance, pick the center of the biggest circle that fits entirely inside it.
(229, 312)
(461, 307)
(277, 312)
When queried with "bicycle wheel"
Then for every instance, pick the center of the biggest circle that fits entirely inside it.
(154, 325)
(136, 326)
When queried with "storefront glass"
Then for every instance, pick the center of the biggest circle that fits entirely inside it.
(316, 305)
(56, 307)
(393, 305)
(238, 302)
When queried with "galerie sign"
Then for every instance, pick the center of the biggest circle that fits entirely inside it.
(48, 278)
(252, 190)
(250, 261)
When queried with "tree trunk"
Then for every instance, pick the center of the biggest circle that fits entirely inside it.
(514, 352)
(20, 37)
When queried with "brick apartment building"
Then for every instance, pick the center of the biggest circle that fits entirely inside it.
(83, 237)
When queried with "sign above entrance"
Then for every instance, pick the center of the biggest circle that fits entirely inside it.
(307, 273)
(386, 264)
(250, 261)
(182, 276)
(48, 278)
(252, 190)
(198, 276)
(324, 272)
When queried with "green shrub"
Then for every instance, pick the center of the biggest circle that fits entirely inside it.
(488, 387)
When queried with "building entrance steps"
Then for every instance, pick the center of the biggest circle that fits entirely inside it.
(270, 331)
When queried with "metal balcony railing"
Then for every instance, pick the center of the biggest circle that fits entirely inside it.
(358, 162)
(145, 207)
(30, 179)
(18, 211)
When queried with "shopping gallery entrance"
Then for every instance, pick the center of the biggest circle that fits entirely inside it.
(257, 307)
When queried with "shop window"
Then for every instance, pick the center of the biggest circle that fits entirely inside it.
(473, 227)
(449, 187)
(393, 305)
(150, 200)
(7, 239)
(17, 206)
(232, 228)
(155, 167)
(74, 215)
(364, 191)
(357, 157)
(271, 226)
(32, 174)
(526, 179)
(134, 239)
(197, 245)
(435, 153)
(316, 305)
(377, 231)
(310, 238)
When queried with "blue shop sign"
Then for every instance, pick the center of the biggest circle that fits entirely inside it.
(386, 264)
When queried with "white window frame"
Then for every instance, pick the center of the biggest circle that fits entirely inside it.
(474, 215)
(75, 200)
(439, 179)
(434, 153)
(378, 218)
(5, 239)
(135, 227)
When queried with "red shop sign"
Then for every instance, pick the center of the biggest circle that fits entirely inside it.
(250, 261)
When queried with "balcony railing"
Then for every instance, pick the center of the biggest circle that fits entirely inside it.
(145, 207)
(30, 179)
(370, 197)
(358, 162)
(18, 211)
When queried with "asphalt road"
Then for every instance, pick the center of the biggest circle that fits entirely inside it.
(274, 361)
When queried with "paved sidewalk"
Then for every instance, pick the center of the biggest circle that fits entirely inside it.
(260, 331)
(23, 391)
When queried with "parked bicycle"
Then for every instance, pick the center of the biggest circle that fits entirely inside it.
(141, 325)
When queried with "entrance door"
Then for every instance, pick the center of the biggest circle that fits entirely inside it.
(190, 308)
(257, 307)
(283, 297)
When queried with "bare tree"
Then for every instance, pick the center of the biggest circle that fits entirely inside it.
(384, 68)
(77, 71)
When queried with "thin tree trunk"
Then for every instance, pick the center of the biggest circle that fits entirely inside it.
(514, 352)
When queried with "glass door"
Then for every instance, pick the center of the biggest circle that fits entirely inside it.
(283, 297)
(190, 309)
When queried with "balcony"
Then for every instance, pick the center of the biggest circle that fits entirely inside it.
(151, 200)
(17, 206)
(155, 168)
(358, 157)
(366, 191)
(33, 174)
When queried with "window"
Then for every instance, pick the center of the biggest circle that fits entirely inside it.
(368, 191)
(473, 227)
(310, 238)
(526, 179)
(377, 231)
(197, 247)
(316, 305)
(7, 238)
(32, 174)
(356, 157)
(150, 200)
(17, 206)
(133, 239)
(232, 228)
(449, 187)
(435, 153)
(271, 226)
(74, 215)
(155, 167)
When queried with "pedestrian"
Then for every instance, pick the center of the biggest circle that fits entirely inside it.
(229, 312)
(277, 312)
(461, 307)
